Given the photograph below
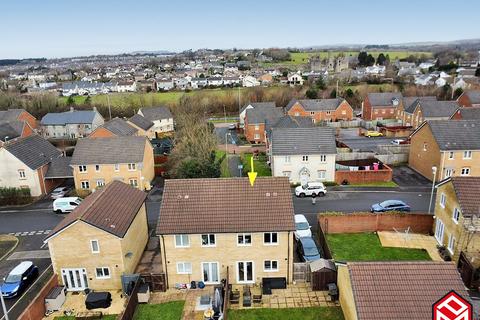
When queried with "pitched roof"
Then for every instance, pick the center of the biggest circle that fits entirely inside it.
(141, 122)
(467, 190)
(111, 208)
(401, 290)
(456, 135)
(226, 205)
(289, 121)
(384, 98)
(156, 113)
(470, 113)
(11, 130)
(317, 104)
(69, 117)
(410, 103)
(474, 96)
(437, 109)
(269, 104)
(33, 150)
(10, 114)
(119, 127)
(60, 168)
(265, 115)
(303, 141)
(111, 150)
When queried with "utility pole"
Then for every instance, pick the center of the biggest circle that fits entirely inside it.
(4, 307)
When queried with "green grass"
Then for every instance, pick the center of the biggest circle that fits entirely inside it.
(164, 311)
(106, 317)
(260, 165)
(367, 247)
(314, 313)
(224, 170)
(7, 243)
(389, 184)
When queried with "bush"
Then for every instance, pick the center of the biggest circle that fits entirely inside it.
(14, 196)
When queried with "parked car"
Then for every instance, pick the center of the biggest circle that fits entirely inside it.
(390, 205)
(59, 192)
(371, 133)
(67, 204)
(232, 126)
(307, 249)
(398, 142)
(18, 279)
(312, 189)
(302, 228)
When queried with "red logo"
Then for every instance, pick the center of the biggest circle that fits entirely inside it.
(452, 307)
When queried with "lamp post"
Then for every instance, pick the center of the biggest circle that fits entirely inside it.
(4, 307)
(434, 171)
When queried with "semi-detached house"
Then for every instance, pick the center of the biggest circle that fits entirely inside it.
(381, 106)
(321, 109)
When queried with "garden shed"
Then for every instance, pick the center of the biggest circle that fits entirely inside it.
(323, 272)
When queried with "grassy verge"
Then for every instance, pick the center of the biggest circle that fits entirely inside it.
(7, 243)
(259, 165)
(314, 313)
(367, 247)
(388, 184)
(164, 311)
(224, 170)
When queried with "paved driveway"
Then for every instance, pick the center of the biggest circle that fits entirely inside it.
(406, 177)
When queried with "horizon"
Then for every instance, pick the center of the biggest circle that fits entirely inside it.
(111, 28)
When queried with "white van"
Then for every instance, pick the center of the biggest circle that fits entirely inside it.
(67, 204)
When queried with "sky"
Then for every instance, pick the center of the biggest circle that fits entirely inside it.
(64, 28)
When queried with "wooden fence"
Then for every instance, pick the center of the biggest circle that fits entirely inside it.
(156, 281)
(132, 303)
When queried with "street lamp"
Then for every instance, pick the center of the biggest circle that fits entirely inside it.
(434, 171)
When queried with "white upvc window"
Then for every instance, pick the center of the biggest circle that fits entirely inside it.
(257, 127)
(182, 241)
(287, 159)
(21, 174)
(100, 182)
(270, 266)
(82, 168)
(448, 173)
(323, 158)
(102, 273)
(287, 174)
(270, 238)
(256, 136)
(443, 200)
(467, 154)
(132, 167)
(85, 184)
(97, 168)
(322, 174)
(455, 215)
(244, 239)
(116, 167)
(184, 267)
(312, 113)
(425, 145)
(133, 182)
(451, 243)
(451, 155)
(210, 272)
(208, 240)
(465, 171)
(305, 158)
(95, 246)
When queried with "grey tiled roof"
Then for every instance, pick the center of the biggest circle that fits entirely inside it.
(10, 114)
(69, 117)
(270, 104)
(436, 109)
(474, 96)
(456, 135)
(303, 141)
(294, 122)
(384, 98)
(317, 104)
(267, 115)
(120, 127)
(470, 113)
(11, 130)
(156, 113)
(141, 122)
(410, 103)
(126, 149)
(467, 190)
(60, 168)
(34, 151)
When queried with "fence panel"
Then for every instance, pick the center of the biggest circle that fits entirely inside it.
(132, 303)
(301, 272)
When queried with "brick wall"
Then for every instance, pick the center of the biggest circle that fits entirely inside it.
(363, 176)
(36, 308)
(369, 222)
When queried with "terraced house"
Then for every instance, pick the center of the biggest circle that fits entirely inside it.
(424, 109)
(321, 109)
(451, 146)
(71, 124)
(98, 161)
(381, 106)
(207, 226)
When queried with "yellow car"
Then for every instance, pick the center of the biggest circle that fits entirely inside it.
(373, 134)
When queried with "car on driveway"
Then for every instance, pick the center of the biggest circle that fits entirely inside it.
(232, 126)
(65, 205)
(302, 227)
(311, 189)
(59, 192)
(390, 205)
(398, 142)
(19, 279)
(371, 133)
(307, 249)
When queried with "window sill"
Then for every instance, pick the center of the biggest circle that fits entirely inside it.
(270, 244)
(102, 278)
(270, 271)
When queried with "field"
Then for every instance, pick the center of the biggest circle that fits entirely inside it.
(314, 313)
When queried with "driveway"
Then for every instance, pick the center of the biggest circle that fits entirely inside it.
(406, 177)
(223, 133)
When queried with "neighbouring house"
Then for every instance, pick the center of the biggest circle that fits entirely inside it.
(25, 162)
(98, 161)
(253, 105)
(380, 106)
(321, 109)
(425, 109)
(469, 99)
(294, 79)
(165, 84)
(395, 290)
(452, 147)
(250, 81)
(126, 86)
(208, 225)
(457, 218)
(13, 130)
(71, 124)
(467, 113)
(101, 240)
(114, 127)
(147, 85)
(303, 154)
(144, 126)
(161, 117)
(12, 115)
(287, 121)
(258, 121)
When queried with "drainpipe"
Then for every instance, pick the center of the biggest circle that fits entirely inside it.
(288, 259)
(165, 259)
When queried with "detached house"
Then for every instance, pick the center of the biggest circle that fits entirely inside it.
(469, 99)
(380, 106)
(253, 105)
(161, 117)
(457, 218)
(303, 154)
(113, 128)
(425, 109)
(321, 109)
(71, 124)
(209, 226)
(102, 239)
(452, 147)
(98, 161)
(258, 121)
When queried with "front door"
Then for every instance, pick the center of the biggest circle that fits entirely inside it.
(439, 229)
(245, 272)
(75, 279)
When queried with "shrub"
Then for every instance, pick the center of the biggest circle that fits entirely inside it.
(14, 196)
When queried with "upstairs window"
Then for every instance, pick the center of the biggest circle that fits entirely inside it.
(270, 238)
(443, 200)
(467, 154)
(95, 246)
(182, 241)
(323, 158)
(244, 239)
(305, 158)
(208, 240)
(456, 215)
(132, 167)
(21, 174)
(82, 168)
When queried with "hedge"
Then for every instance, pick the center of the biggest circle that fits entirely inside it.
(14, 196)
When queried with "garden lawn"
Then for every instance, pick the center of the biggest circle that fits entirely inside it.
(260, 165)
(164, 311)
(7, 243)
(314, 313)
(224, 170)
(367, 247)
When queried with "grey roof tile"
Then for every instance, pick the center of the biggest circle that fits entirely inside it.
(120, 127)
(474, 96)
(317, 104)
(267, 115)
(10, 130)
(470, 113)
(456, 135)
(437, 109)
(69, 117)
(268, 104)
(156, 113)
(34, 151)
(141, 122)
(60, 168)
(384, 98)
(303, 141)
(10, 114)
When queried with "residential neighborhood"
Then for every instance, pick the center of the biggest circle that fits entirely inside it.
(230, 170)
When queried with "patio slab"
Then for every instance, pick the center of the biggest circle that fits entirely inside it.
(411, 240)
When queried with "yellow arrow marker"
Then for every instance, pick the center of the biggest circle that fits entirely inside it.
(252, 175)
